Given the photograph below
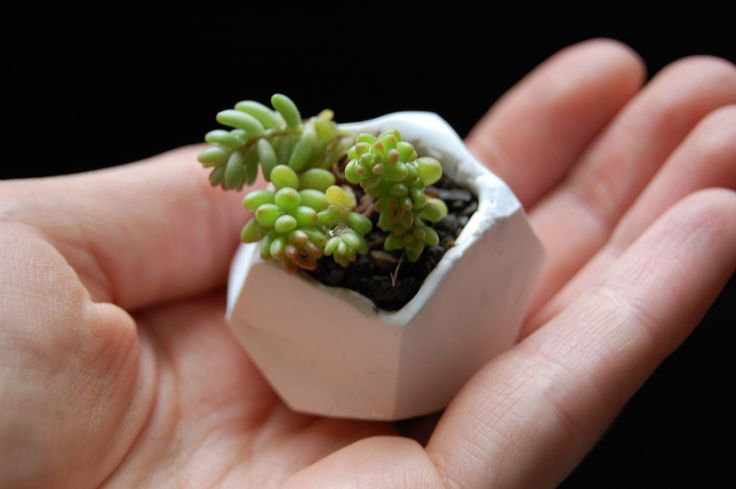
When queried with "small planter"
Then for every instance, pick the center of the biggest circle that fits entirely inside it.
(329, 351)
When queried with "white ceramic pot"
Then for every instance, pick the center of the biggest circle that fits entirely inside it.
(330, 351)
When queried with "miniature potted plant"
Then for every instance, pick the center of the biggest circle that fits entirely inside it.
(383, 265)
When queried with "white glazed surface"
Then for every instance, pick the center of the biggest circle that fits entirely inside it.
(330, 351)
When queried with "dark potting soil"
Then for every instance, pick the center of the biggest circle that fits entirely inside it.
(386, 278)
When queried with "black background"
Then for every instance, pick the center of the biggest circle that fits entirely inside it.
(85, 93)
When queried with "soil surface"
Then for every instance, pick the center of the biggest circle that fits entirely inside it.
(387, 278)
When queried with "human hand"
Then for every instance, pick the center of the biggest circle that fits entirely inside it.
(116, 368)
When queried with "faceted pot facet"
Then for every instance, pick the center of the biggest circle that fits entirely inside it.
(329, 351)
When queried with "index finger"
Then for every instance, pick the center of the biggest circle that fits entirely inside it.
(138, 234)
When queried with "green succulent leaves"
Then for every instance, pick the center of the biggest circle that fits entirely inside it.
(390, 170)
(269, 137)
(288, 226)
(306, 214)
(347, 228)
(308, 223)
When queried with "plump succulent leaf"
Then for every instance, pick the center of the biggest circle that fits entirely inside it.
(260, 112)
(240, 120)
(256, 198)
(267, 156)
(235, 170)
(252, 232)
(317, 179)
(213, 156)
(282, 176)
(314, 198)
(227, 139)
(288, 110)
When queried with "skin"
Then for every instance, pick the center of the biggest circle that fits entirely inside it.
(116, 369)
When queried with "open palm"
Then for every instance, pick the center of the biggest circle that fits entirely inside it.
(614, 177)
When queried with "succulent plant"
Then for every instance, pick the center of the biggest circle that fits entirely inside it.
(388, 168)
(305, 215)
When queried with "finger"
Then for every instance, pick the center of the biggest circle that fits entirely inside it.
(576, 219)
(707, 158)
(137, 234)
(372, 462)
(529, 416)
(536, 131)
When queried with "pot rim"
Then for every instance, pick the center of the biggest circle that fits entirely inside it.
(432, 136)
